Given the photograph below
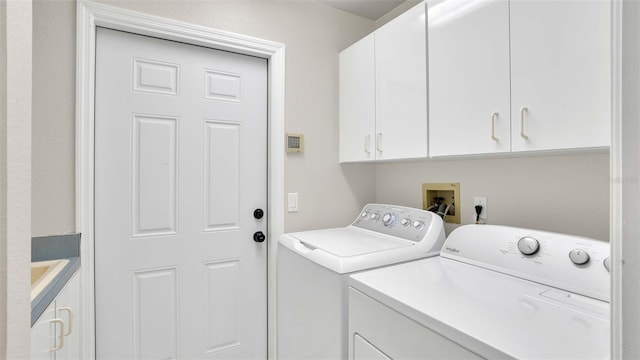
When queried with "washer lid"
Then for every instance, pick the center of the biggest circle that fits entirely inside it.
(349, 241)
(350, 249)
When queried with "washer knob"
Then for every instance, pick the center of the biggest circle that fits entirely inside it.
(579, 256)
(528, 245)
(365, 214)
(388, 219)
(418, 225)
(375, 216)
(607, 264)
(405, 222)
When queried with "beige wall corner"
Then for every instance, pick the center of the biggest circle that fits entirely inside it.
(15, 178)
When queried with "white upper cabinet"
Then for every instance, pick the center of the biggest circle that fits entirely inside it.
(357, 101)
(561, 73)
(383, 92)
(469, 78)
(518, 75)
(401, 86)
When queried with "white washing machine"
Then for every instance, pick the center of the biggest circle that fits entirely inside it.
(495, 292)
(314, 266)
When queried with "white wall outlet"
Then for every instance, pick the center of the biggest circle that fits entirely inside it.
(293, 202)
(480, 200)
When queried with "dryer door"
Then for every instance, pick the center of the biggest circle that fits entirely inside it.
(363, 350)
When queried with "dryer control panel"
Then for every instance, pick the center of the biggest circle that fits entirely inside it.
(399, 221)
(573, 263)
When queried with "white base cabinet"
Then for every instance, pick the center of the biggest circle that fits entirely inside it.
(56, 334)
(518, 76)
(383, 92)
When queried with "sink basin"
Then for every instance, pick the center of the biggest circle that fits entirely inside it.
(43, 272)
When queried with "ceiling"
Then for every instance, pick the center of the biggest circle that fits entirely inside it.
(370, 9)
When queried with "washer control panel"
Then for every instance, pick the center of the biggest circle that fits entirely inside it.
(567, 262)
(399, 221)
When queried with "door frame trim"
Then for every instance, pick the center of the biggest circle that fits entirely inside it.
(91, 15)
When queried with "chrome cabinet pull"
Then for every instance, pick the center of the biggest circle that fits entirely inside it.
(493, 126)
(522, 112)
(69, 312)
(367, 144)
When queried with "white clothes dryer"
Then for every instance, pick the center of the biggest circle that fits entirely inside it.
(495, 292)
(313, 269)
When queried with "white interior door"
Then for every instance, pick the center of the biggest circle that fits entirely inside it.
(180, 167)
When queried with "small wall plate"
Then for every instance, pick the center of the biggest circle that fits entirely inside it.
(295, 143)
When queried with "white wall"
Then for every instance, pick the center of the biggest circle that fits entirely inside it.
(567, 194)
(313, 34)
(53, 158)
(15, 178)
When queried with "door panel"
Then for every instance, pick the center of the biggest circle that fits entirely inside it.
(155, 315)
(154, 175)
(181, 163)
(222, 172)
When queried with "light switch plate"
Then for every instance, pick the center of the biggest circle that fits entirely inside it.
(293, 202)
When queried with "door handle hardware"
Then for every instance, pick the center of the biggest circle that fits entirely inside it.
(258, 214)
(523, 111)
(69, 312)
(493, 126)
(367, 144)
(379, 142)
(61, 337)
(259, 236)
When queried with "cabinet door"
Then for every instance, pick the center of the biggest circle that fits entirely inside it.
(43, 335)
(357, 101)
(560, 70)
(68, 309)
(401, 86)
(469, 103)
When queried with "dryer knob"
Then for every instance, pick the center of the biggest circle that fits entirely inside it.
(579, 256)
(388, 219)
(405, 222)
(418, 225)
(375, 216)
(528, 245)
(365, 214)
